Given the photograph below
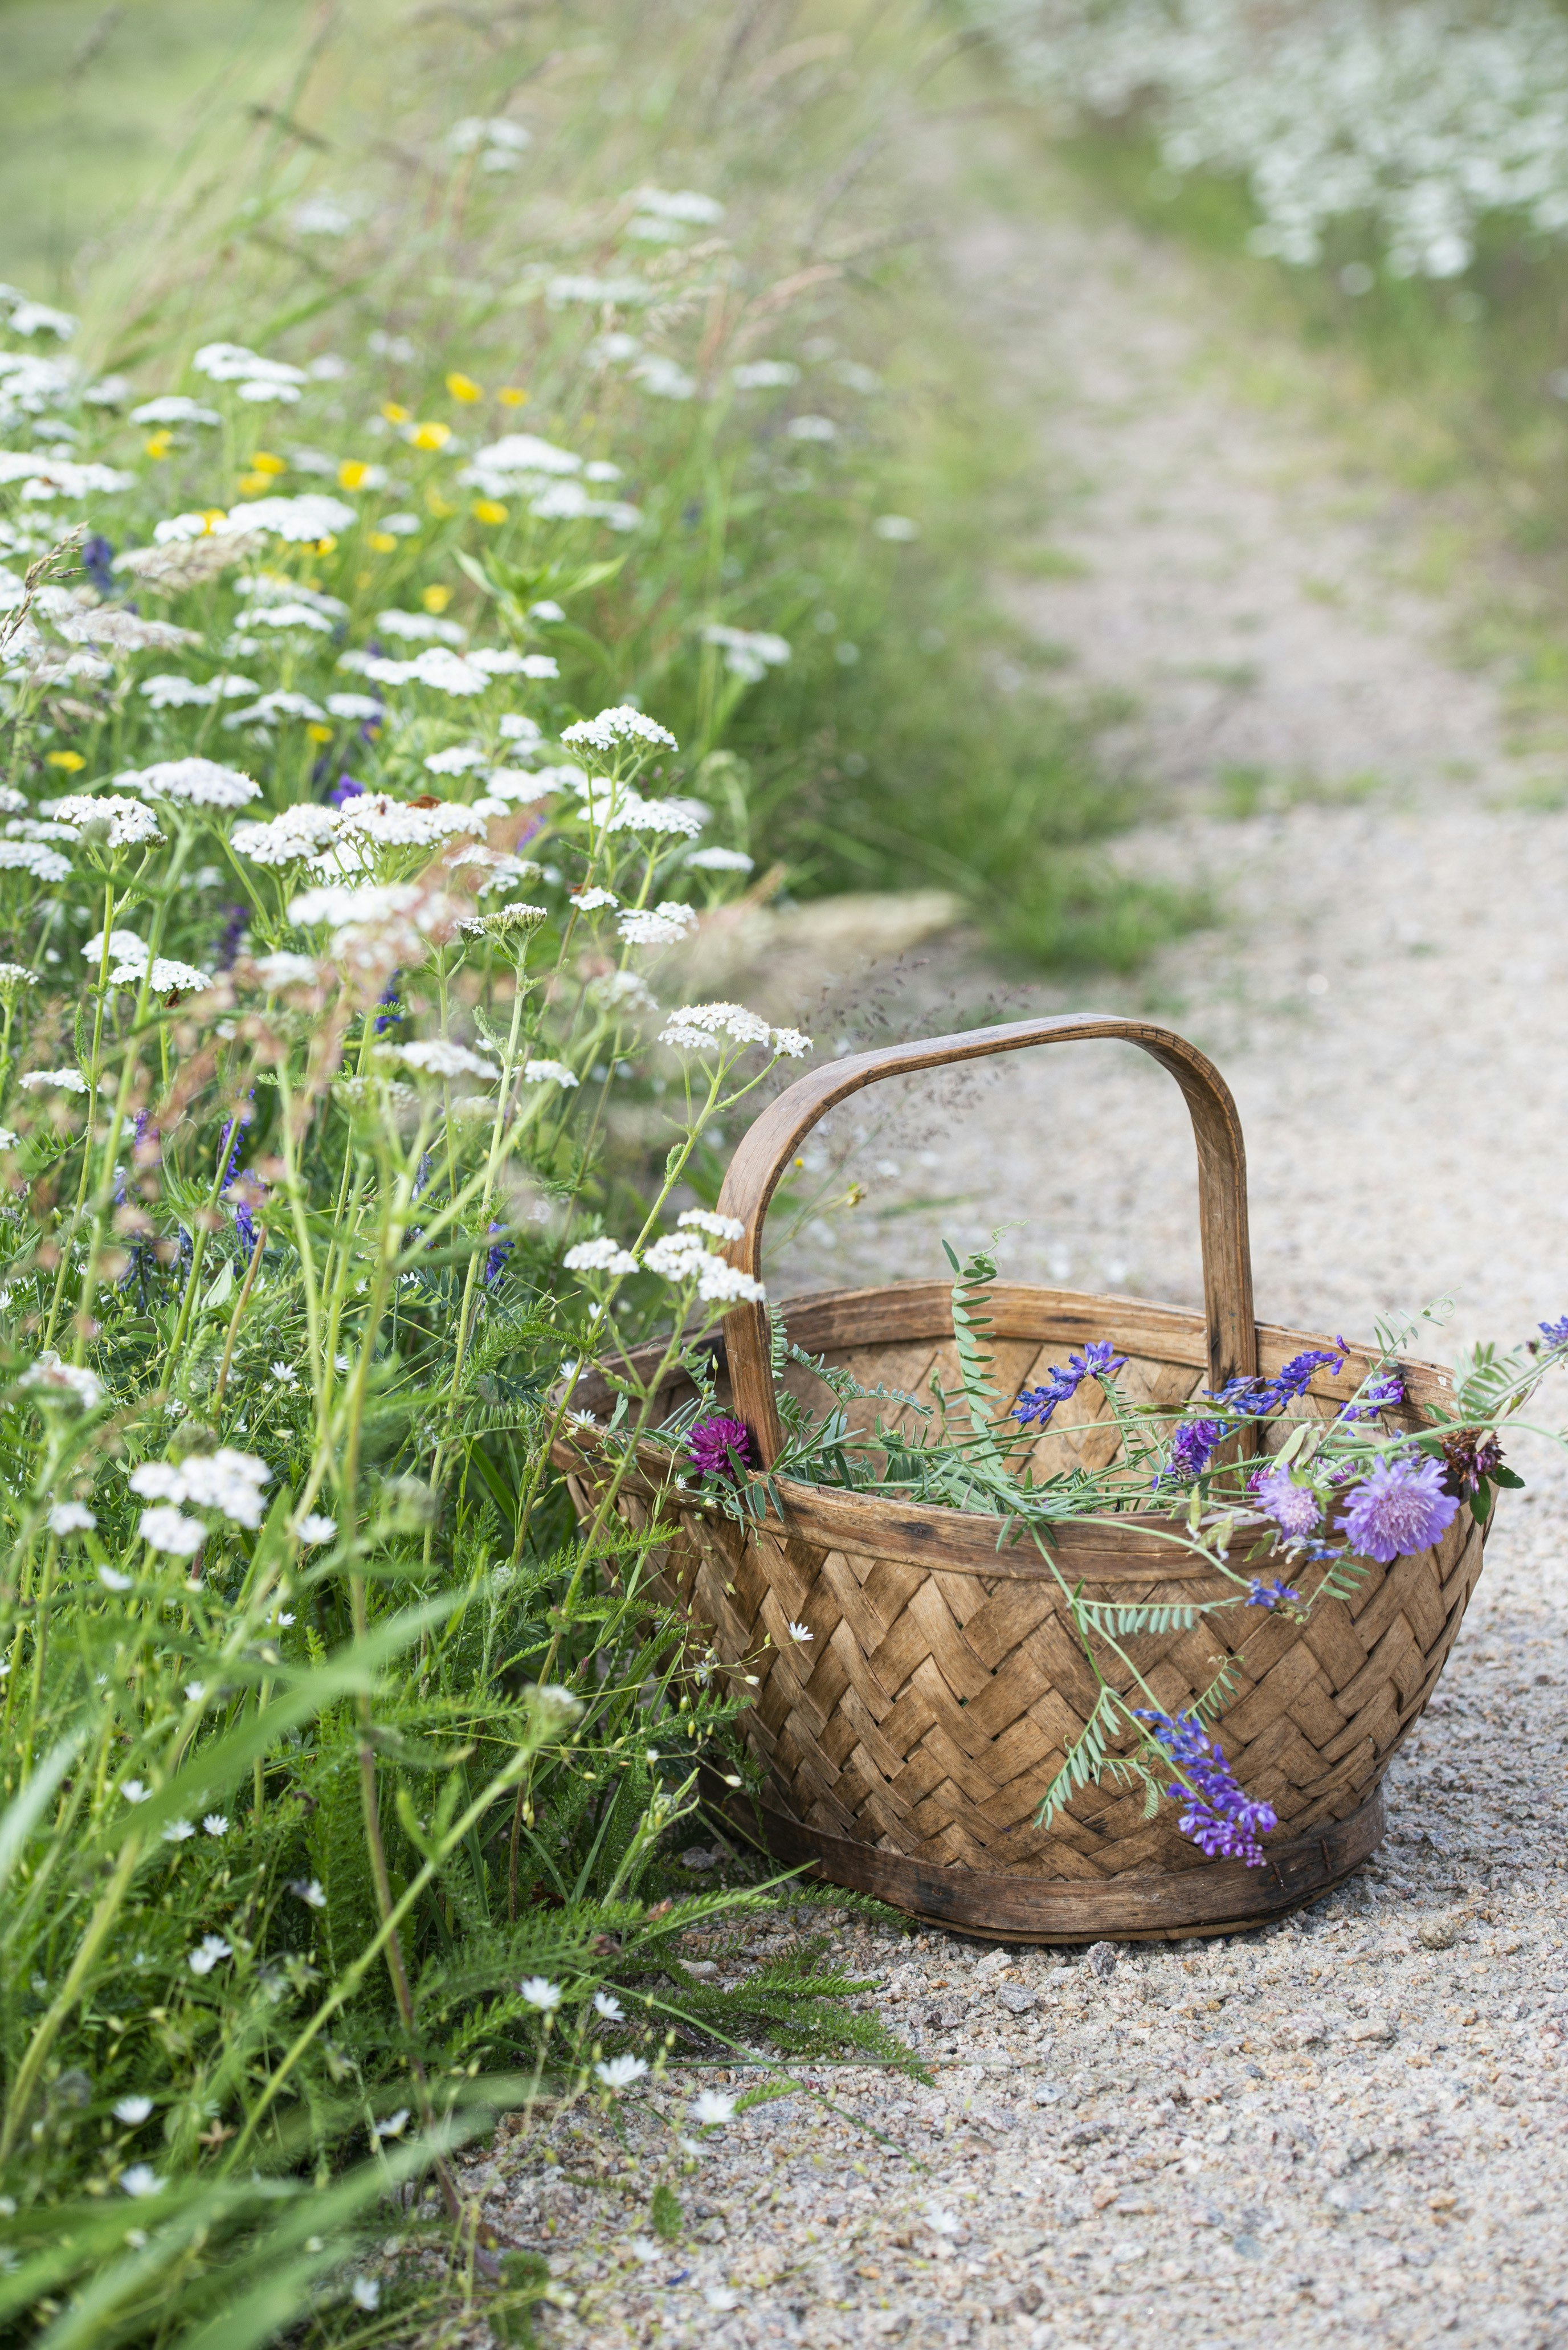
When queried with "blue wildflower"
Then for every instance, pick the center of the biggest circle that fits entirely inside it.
(345, 788)
(1273, 1594)
(1097, 1361)
(1556, 1333)
(237, 921)
(1191, 1448)
(97, 562)
(1220, 1817)
(496, 1256)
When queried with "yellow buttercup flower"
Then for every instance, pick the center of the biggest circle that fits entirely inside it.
(430, 436)
(462, 387)
(322, 546)
(352, 474)
(512, 395)
(213, 516)
(393, 412)
(436, 600)
(318, 733)
(383, 542)
(264, 462)
(253, 485)
(158, 445)
(440, 507)
(71, 761)
(489, 510)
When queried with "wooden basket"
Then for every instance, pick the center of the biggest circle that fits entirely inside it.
(907, 1745)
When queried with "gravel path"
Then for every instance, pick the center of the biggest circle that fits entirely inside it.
(1350, 2129)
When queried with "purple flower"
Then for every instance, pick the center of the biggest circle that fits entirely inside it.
(345, 788)
(1191, 1447)
(97, 562)
(1097, 1361)
(1257, 1398)
(719, 1448)
(1220, 1817)
(245, 1226)
(1556, 1333)
(1273, 1594)
(393, 1012)
(236, 920)
(496, 1257)
(1294, 1509)
(1399, 1507)
(1381, 1396)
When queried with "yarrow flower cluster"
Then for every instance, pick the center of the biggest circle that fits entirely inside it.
(1220, 1819)
(226, 1480)
(698, 1027)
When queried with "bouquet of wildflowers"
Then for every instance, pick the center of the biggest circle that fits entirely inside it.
(1306, 1502)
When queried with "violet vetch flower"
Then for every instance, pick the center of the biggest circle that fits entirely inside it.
(1399, 1507)
(1257, 1398)
(719, 1448)
(345, 788)
(496, 1256)
(392, 1012)
(1381, 1396)
(237, 921)
(1556, 1333)
(1096, 1361)
(1191, 1448)
(1220, 1817)
(1273, 1594)
(1294, 1509)
(97, 562)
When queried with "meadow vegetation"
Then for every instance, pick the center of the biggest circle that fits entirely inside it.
(498, 503)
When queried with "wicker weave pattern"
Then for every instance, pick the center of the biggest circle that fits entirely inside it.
(929, 1711)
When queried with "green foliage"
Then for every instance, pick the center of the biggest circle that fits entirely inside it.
(665, 2215)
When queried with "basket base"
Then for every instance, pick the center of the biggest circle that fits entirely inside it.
(1220, 1897)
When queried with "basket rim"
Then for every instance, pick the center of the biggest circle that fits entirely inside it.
(963, 1542)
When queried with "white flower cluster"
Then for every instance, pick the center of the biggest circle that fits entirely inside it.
(199, 782)
(681, 1257)
(227, 1481)
(698, 1027)
(257, 378)
(128, 823)
(438, 1057)
(748, 653)
(615, 807)
(657, 926)
(1422, 119)
(287, 838)
(614, 728)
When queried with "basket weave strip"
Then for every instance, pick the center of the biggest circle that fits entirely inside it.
(928, 1712)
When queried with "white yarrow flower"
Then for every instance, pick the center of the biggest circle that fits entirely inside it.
(602, 1255)
(708, 1220)
(112, 1580)
(657, 926)
(199, 782)
(170, 1530)
(437, 1056)
(71, 1518)
(548, 1073)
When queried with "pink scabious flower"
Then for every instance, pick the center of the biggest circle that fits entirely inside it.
(717, 1445)
(1294, 1509)
(1399, 1507)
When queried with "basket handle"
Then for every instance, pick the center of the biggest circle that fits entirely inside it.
(770, 1143)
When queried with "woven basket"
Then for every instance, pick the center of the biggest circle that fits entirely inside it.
(907, 1747)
